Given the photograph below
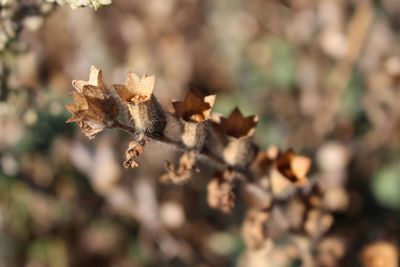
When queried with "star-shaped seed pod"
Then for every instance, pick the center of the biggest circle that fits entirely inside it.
(239, 126)
(144, 110)
(236, 132)
(293, 167)
(193, 112)
(94, 109)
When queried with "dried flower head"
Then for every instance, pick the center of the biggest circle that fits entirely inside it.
(261, 163)
(380, 254)
(94, 109)
(254, 228)
(194, 108)
(183, 172)
(135, 89)
(318, 222)
(220, 192)
(237, 132)
(144, 110)
(193, 112)
(135, 148)
(293, 167)
(238, 126)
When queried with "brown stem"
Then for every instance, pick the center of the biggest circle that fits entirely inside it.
(203, 155)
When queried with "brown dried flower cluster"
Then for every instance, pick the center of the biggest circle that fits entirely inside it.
(263, 176)
(94, 108)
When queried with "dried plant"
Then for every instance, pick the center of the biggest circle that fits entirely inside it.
(265, 177)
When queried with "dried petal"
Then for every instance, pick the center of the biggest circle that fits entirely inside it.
(95, 79)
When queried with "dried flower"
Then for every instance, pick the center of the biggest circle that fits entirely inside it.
(135, 148)
(237, 131)
(318, 222)
(183, 172)
(380, 254)
(254, 228)
(293, 167)
(256, 196)
(193, 112)
(94, 108)
(220, 192)
(144, 109)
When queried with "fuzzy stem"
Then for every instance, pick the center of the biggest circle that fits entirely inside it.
(203, 155)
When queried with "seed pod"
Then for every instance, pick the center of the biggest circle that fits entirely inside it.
(235, 133)
(293, 167)
(94, 108)
(254, 229)
(194, 112)
(144, 110)
(183, 172)
(220, 193)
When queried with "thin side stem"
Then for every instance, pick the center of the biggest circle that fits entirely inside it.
(203, 155)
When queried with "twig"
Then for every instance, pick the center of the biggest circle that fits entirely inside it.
(242, 174)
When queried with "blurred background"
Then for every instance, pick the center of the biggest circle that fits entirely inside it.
(323, 75)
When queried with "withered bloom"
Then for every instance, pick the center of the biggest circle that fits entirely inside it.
(293, 167)
(254, 228)
(94, 109)
(380, 253)
(237, 132)
(182, 173)
(193, 112)
(144, 109)
(135, 148)
(220, 193)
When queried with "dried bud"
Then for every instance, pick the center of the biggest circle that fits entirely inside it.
(183, 172)
(144, 109)
(380, 254)
(330, 250)
(261, 163)
(193, 112)
(256, 197)
(94, 108)
(135, 148)
(318, 222)
(220, 192)
(254, 228)
(293, 167)
(238, 132)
